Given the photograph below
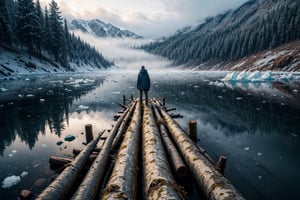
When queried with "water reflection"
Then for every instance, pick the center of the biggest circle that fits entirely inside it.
(256, 125)
(28, 110)
(239, 107)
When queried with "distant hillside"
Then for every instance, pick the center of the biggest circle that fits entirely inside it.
(101, 29)
(26, 30)
(256, 26)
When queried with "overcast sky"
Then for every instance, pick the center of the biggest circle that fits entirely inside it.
(149, 18)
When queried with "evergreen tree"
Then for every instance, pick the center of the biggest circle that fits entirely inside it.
(26, 22)
(6, 34)
(39, 28)
(56, 33)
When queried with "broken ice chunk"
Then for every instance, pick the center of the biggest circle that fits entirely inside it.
(82, 107)
(10, 181)
(246, 148)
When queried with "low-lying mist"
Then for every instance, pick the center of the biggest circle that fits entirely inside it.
(122, 52)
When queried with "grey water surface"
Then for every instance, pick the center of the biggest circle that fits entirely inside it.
(256, 125)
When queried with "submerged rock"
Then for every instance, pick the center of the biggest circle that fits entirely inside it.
(25, 194)
(69, 138)
(39, 182)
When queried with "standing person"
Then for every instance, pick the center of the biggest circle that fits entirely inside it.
(143, 83)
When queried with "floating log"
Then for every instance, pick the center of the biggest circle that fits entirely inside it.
(123, 180)
(59, 161)
(158, 180)
(210, 181)
(62, 185)
(176, 115)
(177, 164)
(89, 187)
(170, 109)
(77, 151)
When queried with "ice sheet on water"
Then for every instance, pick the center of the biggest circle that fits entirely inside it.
(242, 76)
(259, 76)
(246, 76)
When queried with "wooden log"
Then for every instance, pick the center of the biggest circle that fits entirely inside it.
(177, 164)
(170, 109)
(77, 151)
(220, 166)
(89, 133)
(116, 117)
(61, 186)
(123, 106)
(123, 180)
(59, 161)
(89, 187)
(192, 130)
(176, 115)
(158, 180)
(121, 130)
(214, 185)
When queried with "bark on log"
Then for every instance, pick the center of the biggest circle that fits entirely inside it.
(209, 180)
(122, 127)
(60, 187)
(177, 164)
(158, 180)
(123, 180)
(89, 187)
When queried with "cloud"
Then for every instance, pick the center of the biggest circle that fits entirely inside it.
(153, 19)
(122, 53)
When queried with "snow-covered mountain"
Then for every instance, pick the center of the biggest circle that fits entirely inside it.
(101, 29)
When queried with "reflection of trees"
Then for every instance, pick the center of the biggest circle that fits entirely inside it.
(28, 116)
(234, 109)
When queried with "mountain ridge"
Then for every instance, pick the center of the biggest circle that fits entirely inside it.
(255, 26)
(101, 29)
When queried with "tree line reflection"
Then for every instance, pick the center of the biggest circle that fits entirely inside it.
(264, 107)
(43, 103)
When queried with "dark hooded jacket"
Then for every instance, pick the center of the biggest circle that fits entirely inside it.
(143, 82)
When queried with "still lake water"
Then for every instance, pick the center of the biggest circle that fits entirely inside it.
(255, 125)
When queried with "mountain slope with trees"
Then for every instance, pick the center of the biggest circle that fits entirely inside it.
(43, 34)
(256, 26)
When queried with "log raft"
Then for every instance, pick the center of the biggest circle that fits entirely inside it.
(142, 157)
